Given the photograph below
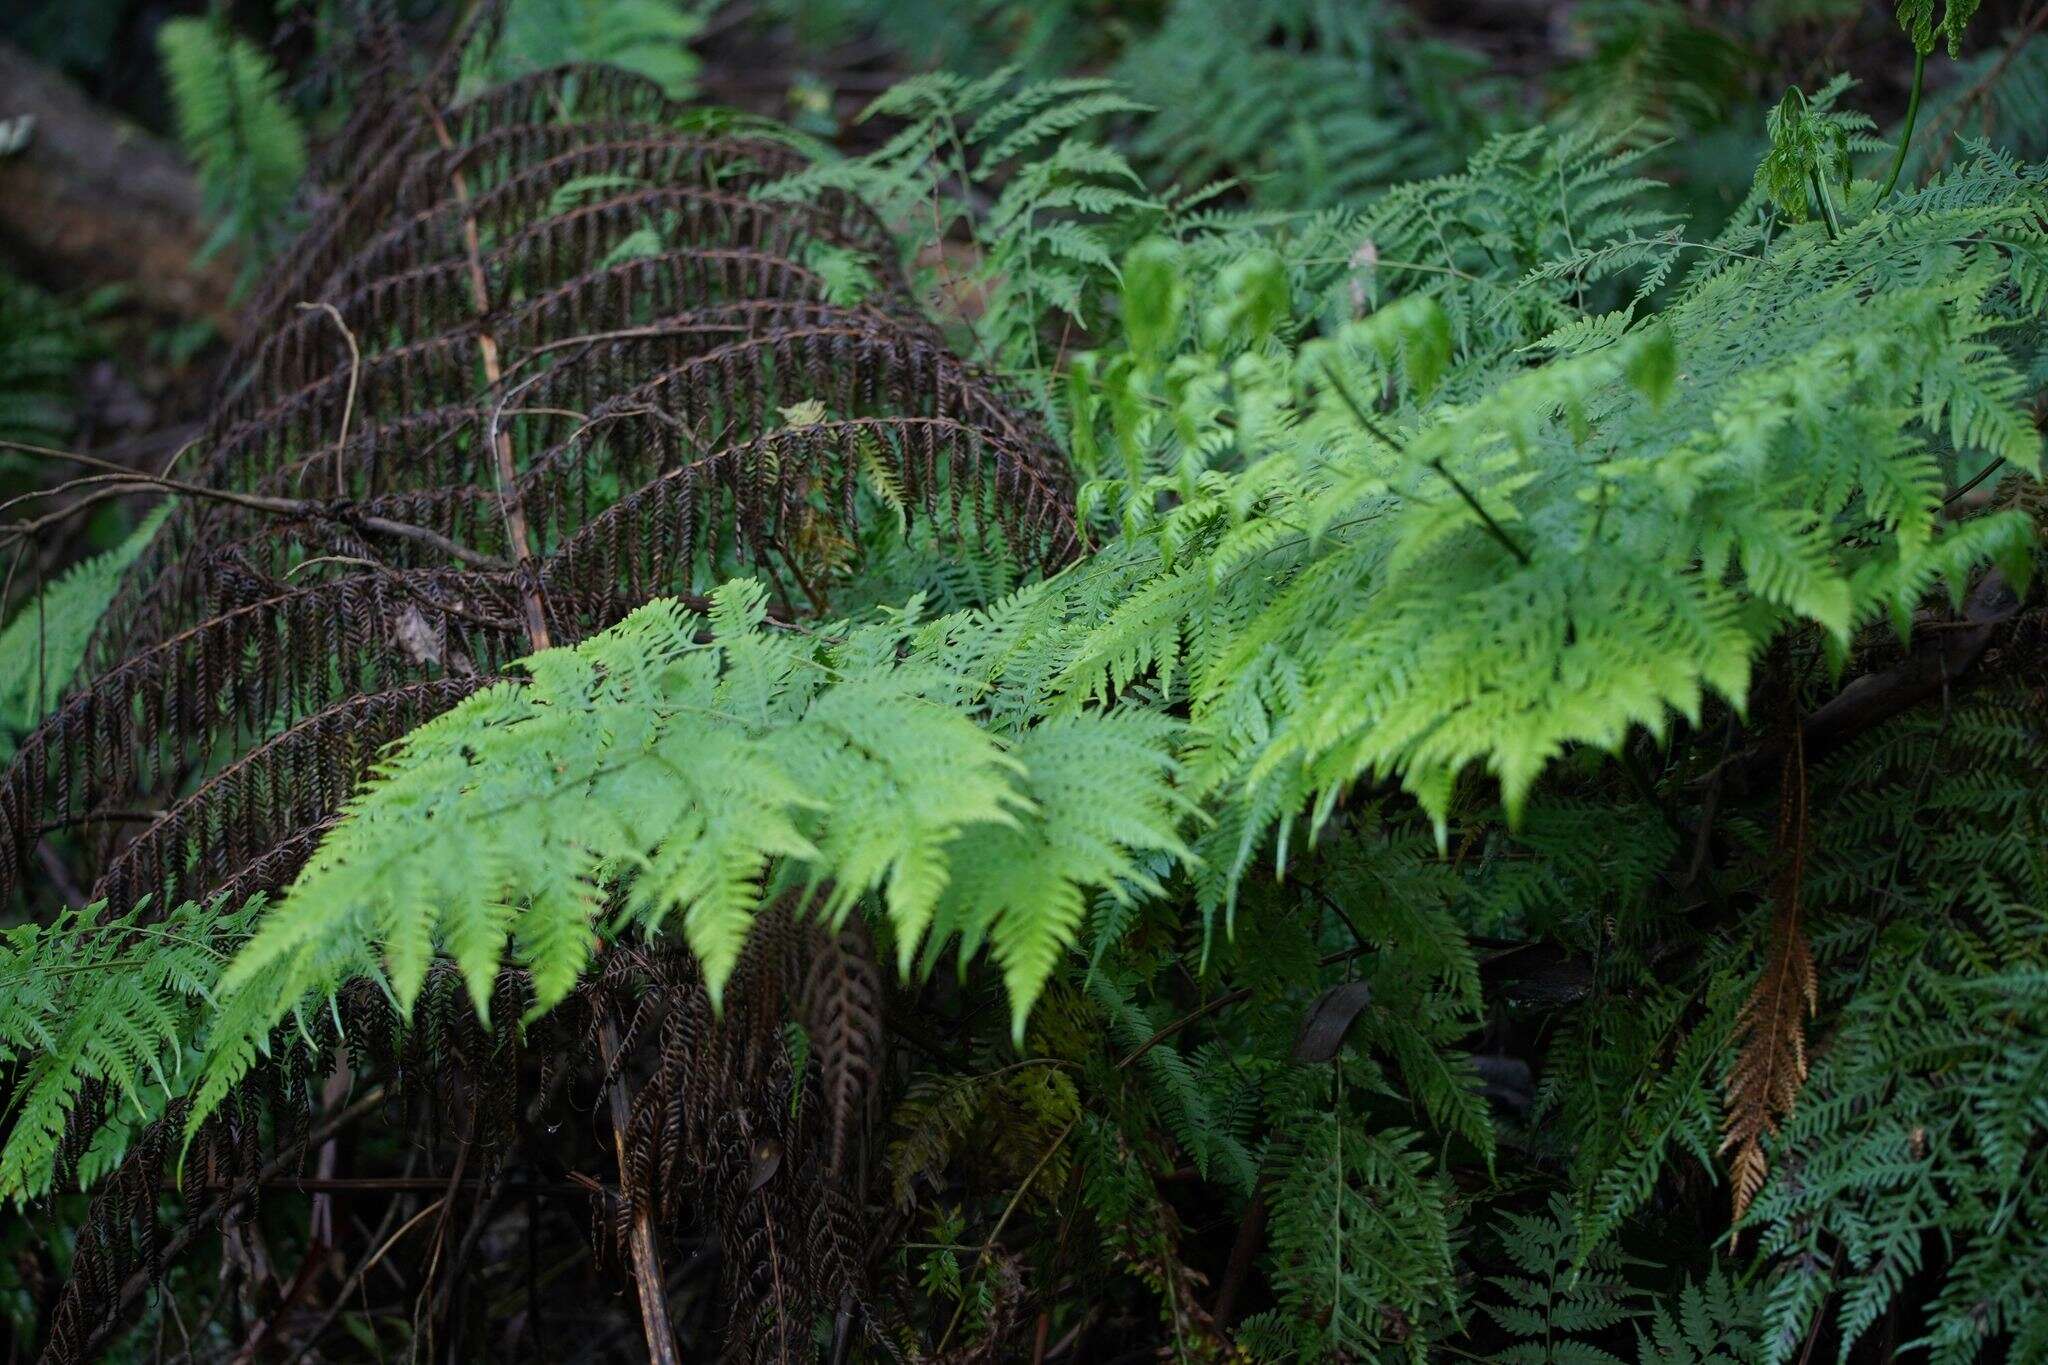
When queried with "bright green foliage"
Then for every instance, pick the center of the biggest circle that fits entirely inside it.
(1807, 166)
(236, 126)
(1461, 555)
(701, 769)
(98, 997)
(1658, 501)
(1639, 518)
(1524, 241)
(1403, 549)
(46, 640)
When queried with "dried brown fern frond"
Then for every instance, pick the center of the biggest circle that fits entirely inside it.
(1770, 1066)
(842, 1010)
(495, 435)
(712, 1142)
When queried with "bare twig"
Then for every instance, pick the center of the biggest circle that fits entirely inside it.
(1877, 697)
(1251, 1232)
(127, 481)
(361, 1273)
(1493, 527)
(505, 471)
(1030, 1178)
(647, 1276)
(1224, 1001)
(348, 407)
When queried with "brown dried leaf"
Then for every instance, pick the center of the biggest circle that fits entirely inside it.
(1770, 1067)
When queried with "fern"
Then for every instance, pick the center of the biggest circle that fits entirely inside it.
(1555, 1300)
(1918, 19)
(1560, 1302)
(667, 775)
(233, 120)
(115, 1001)
(1807, 165)
(648, 37)
(1658, 70)
(1311, 104)
(1619, 497)
(43, 342)
(43, 645)
(1712, 1323)
(1184, 1094)
(1361, 1241)
(1995, 94)
(1921, 1117)
(1373, 826)
(1064, 206)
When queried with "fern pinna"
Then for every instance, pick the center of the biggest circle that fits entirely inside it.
(545, 359)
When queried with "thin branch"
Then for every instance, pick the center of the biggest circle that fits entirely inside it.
(647, 1276)
(384, 526)
(348, 407)
(1030, 1178)
(1244, 1250)
(128, 481)
(1997, 463)
(139, 1282)
(1876, 697)
(1224, 1001)
(505, 470)
(1493, 527)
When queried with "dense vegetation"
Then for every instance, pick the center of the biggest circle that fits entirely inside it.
(1259, 681)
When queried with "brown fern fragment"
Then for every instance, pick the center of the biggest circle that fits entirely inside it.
(1770, 1067)
(710, 1140)
(842, 1010)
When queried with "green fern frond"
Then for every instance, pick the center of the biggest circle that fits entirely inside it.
(236, 126)
(109, 1000)
(42, 647)
(700, 769)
